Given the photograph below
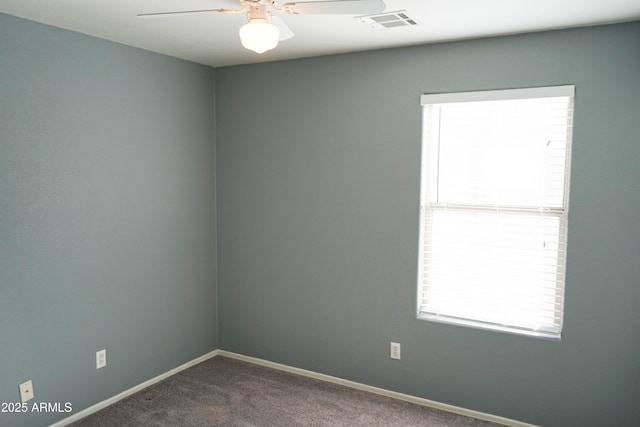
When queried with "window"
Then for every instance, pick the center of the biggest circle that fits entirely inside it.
(495, 182)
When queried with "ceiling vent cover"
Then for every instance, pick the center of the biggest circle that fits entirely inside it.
(389, 20)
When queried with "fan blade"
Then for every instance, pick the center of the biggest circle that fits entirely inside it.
(347, 7)
(182, 12)
(285, 31)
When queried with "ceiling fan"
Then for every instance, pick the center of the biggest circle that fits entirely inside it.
(263, 30)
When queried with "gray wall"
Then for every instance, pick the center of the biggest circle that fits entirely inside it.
(318, 174)
(107, 215)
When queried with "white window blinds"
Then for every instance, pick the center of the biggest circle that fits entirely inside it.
(495, 180)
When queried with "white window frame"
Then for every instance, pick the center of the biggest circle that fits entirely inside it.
(431, 207)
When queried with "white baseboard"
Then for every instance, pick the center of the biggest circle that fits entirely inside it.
(352, 384)
(110, 401)
(380, 391)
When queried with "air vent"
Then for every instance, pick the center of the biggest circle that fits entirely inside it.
(386, 20)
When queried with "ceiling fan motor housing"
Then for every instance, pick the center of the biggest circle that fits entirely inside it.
(259, 13)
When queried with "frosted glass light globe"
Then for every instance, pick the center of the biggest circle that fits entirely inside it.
(259, 36)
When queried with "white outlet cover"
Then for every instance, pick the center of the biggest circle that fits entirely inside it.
(101, 359)
(395, 350)
(26, 391)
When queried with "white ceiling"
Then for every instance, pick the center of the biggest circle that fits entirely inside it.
(212, 38)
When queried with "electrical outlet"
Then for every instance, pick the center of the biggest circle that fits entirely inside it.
(26, 391)
(101, 359)
(395, 350)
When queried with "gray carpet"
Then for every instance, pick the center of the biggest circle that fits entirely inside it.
(227, 392)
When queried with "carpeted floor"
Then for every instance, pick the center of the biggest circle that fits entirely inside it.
(227, 392)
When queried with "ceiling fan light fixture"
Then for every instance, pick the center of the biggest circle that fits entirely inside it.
(259, 36)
